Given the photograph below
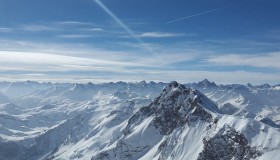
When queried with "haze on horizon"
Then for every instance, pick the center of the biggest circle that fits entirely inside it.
(229, 41)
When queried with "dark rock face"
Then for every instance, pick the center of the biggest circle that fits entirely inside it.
(206, 84)
(228, 109)
(228, 144)
(101, 156)
(269, 122)
(175, 107)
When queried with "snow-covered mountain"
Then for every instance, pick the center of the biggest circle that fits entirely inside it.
(249, 101)
(138, 121)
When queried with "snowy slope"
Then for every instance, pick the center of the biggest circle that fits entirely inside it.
(47, 111)
(244, 100)
(184, 124)
(138, 121)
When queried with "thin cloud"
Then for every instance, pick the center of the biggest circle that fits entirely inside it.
(43, 62)
(149, 75)
(73, 23)
(62, 57)
(123, 25)
(160, 35)
(267, 61)
(206, 12)
(79, 63)
(187, 76)
(79, 25)
(115, 18)
(37, 28)
(74, 36)
(96, 29)
(6, 30)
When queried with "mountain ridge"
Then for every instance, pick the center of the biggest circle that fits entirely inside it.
(163, 121)
(140, 121)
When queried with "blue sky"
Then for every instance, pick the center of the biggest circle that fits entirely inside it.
(226, 41)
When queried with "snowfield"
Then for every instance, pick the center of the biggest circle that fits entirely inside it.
(195, 121)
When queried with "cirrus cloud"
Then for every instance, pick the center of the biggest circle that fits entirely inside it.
(160, 35)
(270, 60)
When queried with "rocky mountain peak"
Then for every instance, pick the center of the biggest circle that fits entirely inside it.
(206, 83)
(176, 106)
(173, 86)
(177, 95)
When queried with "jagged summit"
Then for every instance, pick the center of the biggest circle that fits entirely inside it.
(173, 85)
(264, 86)
(143, 82)
(179, 94)
(176, 106)
(206, 83)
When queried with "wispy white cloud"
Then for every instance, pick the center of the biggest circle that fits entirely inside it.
(37, 28)
(44, 62)
(270, 60)
(159, 35)
(148, 75)
(73, 23)
(51, 59)
(166, 59)
(34, 57)
(195, 15)
(187, 76)
(96, 29)
(242, 43)
(117, 20)
(74, 36)
(81, 63)
(124, 26)
(81, 58)
(79, 25)
(55, 26)
(70, 26)
(206, 12)
(5, 30)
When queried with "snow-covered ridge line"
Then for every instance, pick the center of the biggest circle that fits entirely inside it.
(203, 82)
(146, 120)
(156, 131)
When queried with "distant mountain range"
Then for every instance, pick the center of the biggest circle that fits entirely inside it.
(196, 121)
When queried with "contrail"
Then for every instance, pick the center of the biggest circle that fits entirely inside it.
(201, 13)
(123, 25)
